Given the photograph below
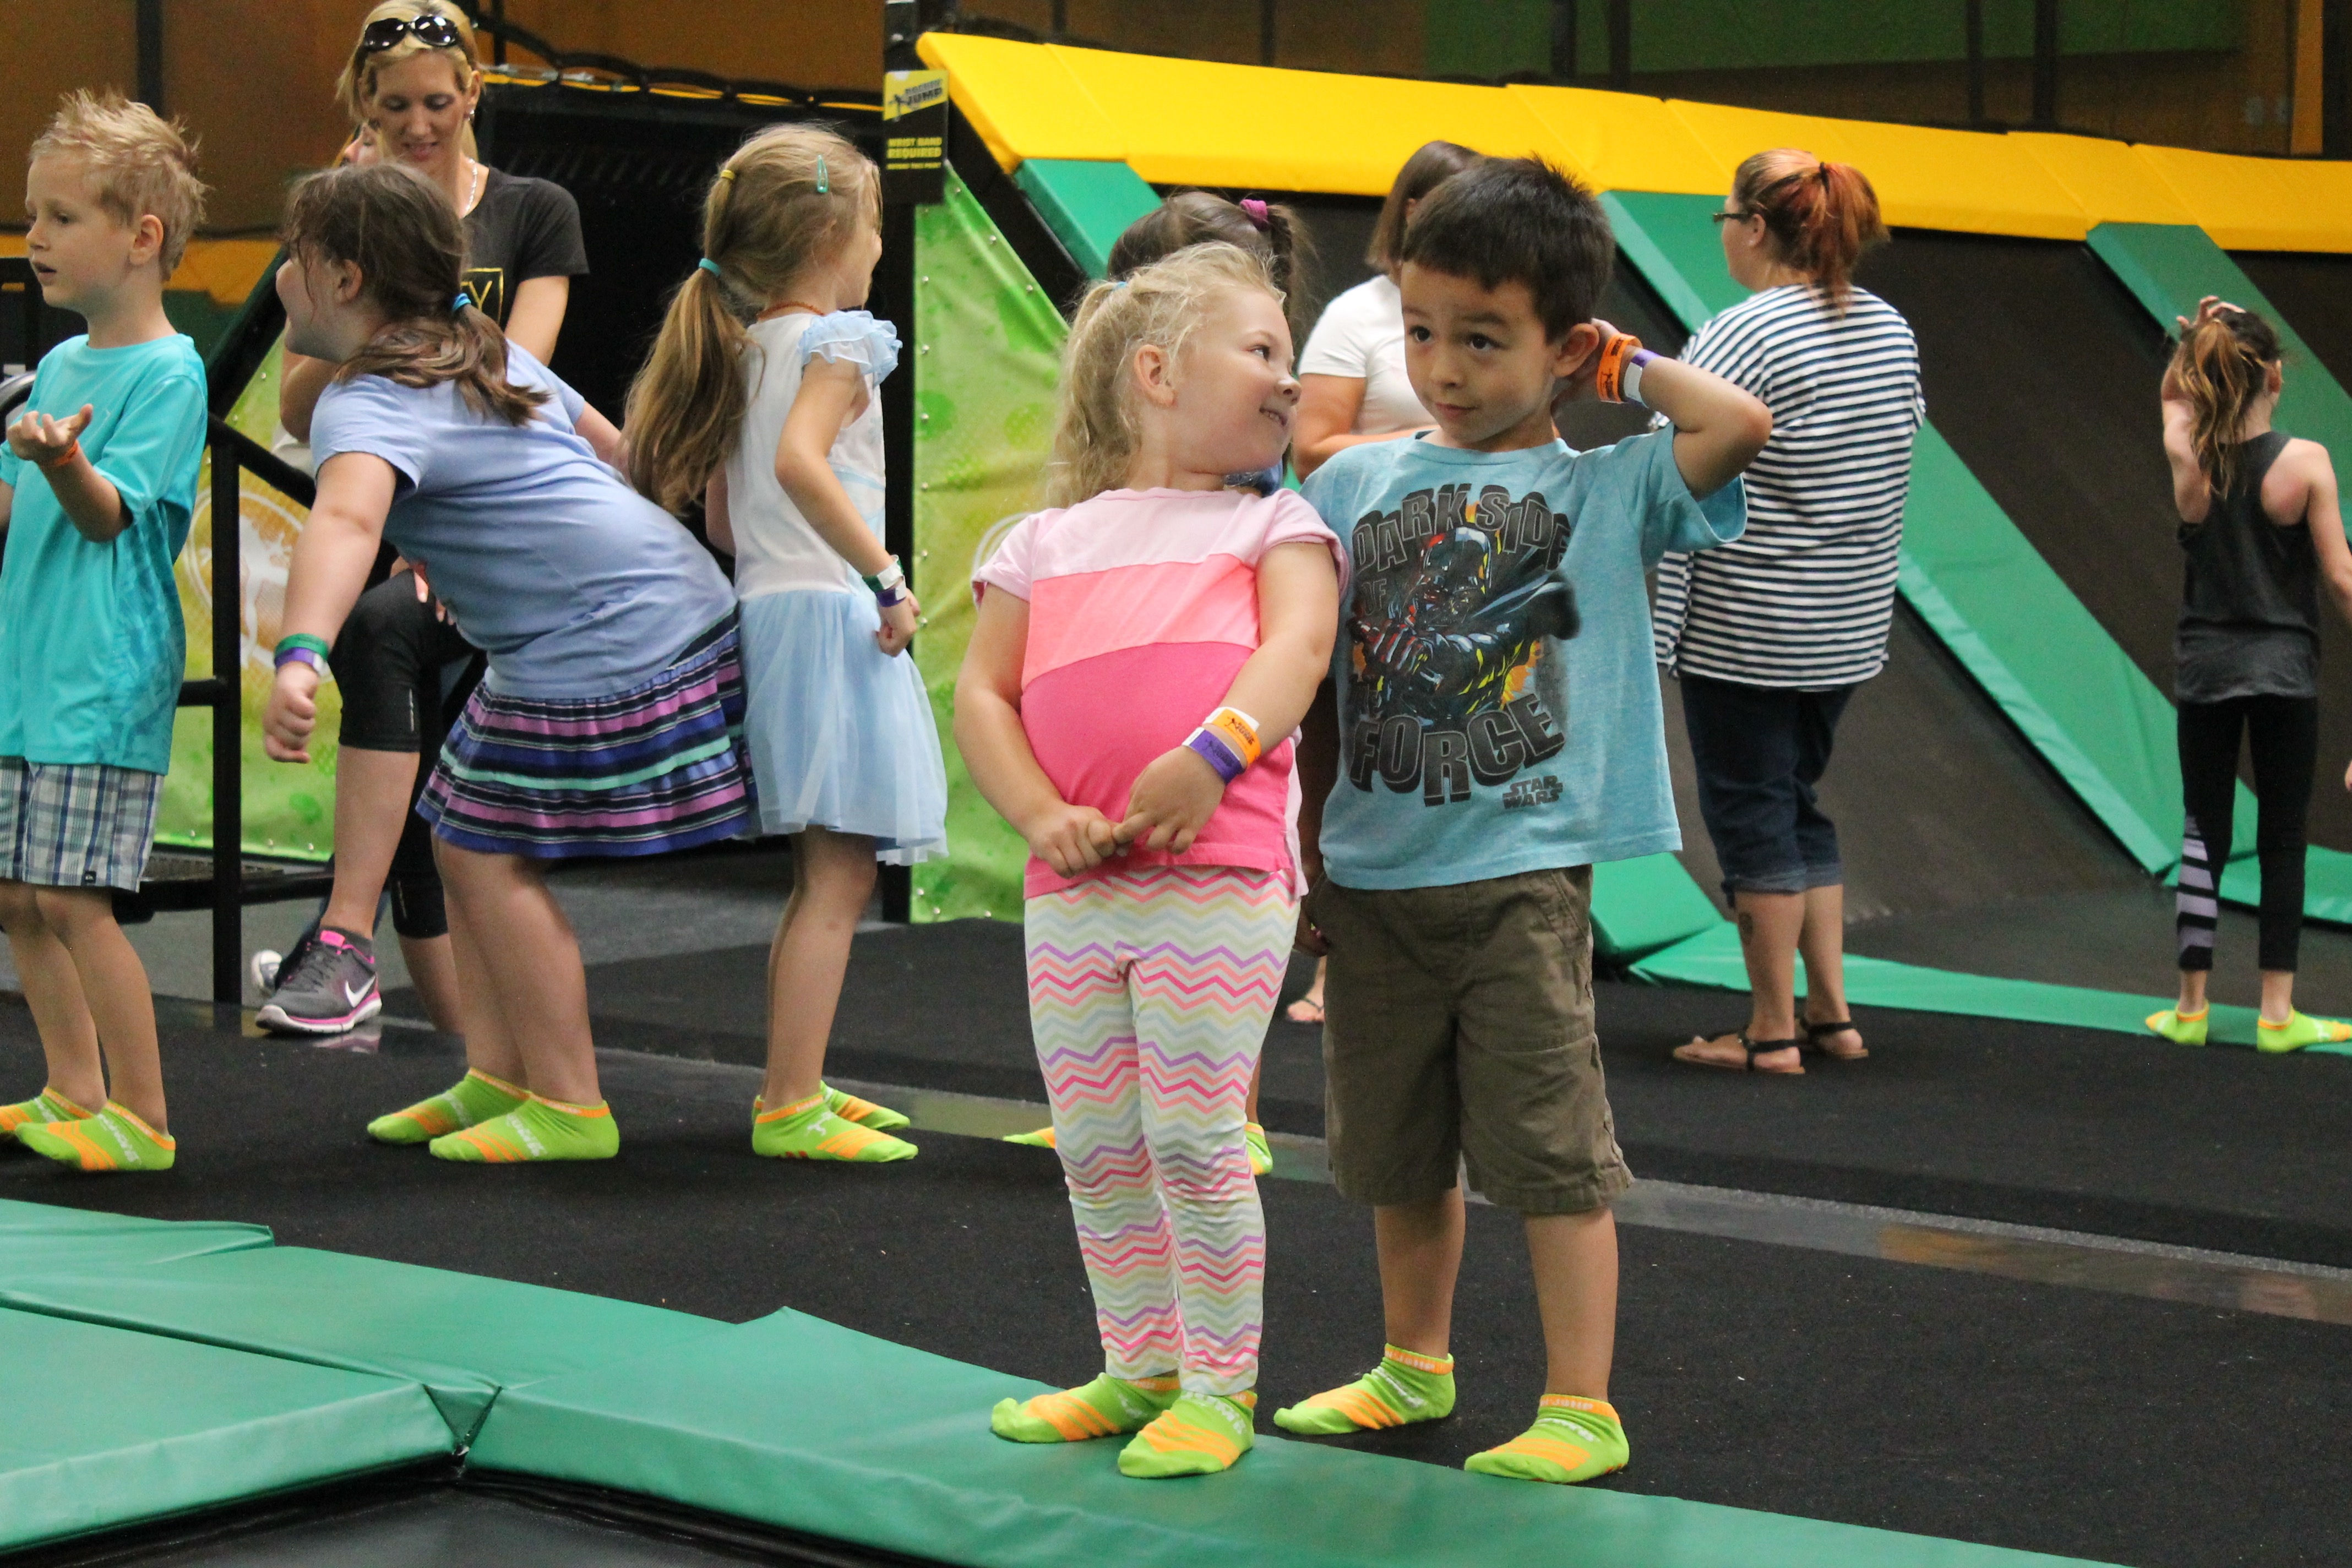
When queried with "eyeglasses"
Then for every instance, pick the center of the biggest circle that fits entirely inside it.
(431, 29)
(1735, 217)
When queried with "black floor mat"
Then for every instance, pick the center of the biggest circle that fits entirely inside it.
(1803, 1382)
(2080, 1129)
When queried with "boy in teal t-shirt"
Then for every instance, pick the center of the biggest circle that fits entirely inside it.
(96, 489)
(1497, 731)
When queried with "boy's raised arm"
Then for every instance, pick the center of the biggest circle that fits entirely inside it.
(1718, 429)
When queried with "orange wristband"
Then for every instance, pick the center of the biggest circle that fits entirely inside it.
(62, 458)
(1608, 375)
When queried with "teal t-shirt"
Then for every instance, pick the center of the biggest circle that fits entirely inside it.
(1475, 740)
(92, 646)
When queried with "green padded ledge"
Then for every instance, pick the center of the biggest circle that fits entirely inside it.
(464, 1337)
(1640, 906)
(800, 1423)
(1712, 960)
(1087, 204)
(106, 1427)
(39, 1237)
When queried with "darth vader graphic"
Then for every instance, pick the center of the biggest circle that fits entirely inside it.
(1453, 599)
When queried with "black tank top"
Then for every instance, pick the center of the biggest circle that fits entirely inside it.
(2249, 600)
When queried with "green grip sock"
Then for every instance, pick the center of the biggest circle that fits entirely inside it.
(1261, 1154)
(809, 1130)
(538, 1129)
(1199, 1435)
(2181, 1028)
(476, 1098)
(113, 1140)
(1573, 1441)
(1106, 1407)
(45, 1107)
(2299, 1030)
(1405, 1387)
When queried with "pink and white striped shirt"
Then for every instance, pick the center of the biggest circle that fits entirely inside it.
(1142, 609)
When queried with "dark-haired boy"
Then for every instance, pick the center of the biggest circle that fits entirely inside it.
(1484, 763)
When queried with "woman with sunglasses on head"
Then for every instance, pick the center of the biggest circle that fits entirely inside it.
(1770, 635)
(411, 85)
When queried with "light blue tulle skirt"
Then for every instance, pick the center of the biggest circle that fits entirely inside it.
(840, 735)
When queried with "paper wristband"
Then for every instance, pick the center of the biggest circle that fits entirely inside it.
(303, 647)
(1239, 732)
(1608, 375)
(1632, 378)
(1213, 750)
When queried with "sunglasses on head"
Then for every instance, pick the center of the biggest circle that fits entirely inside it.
(431, 29)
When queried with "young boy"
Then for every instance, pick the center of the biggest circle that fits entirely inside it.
(1482, 765)
(96, 489)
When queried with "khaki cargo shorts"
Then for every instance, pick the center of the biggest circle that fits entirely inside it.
(1458, 1028)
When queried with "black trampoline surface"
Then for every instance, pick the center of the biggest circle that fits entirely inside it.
(2041, 371)
(2313, 289)
(1799, 1381)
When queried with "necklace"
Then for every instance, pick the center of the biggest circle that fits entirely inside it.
(786, 307)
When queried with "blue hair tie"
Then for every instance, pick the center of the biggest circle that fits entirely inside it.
(461, 302)
(712, 267)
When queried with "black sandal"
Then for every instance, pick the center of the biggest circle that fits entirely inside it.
(1754, 1049)
(1813, 1033)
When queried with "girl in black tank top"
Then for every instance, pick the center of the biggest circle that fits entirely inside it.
(2246, 650)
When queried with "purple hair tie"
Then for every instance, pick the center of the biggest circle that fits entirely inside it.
(1256, 211)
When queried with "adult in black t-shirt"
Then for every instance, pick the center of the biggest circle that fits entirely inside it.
(412, 83)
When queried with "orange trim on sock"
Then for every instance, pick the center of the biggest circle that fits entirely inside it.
(162, 1140)
(1577, 1402)
(501, 1085)
(1441, 1364)
(602, 1108)
(797, 1108)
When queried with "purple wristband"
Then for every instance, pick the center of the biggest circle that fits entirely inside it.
(1213, 751)
(286, 656)
(1631, 377)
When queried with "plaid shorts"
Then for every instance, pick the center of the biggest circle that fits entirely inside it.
(76, 824)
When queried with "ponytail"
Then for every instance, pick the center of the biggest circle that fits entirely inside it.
(1267, 230)
(391, 223)
(1821, 215)
(2222, 367)
(790, 196)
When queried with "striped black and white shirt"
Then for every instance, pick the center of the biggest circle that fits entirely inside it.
(1804, 597)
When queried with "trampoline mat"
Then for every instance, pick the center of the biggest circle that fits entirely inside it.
(2041, 371)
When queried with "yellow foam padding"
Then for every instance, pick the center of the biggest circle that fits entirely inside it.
(2259, 204)
(1625, 141)
(1021, 99)
(224, 268)
(1959, 180)
(1197, 122)
(2108, 180)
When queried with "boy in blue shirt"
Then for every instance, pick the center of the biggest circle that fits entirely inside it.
(96, 489)
(1484, 762)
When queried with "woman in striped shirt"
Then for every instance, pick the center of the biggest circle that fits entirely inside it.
(1770, 635)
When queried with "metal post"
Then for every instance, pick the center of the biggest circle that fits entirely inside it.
(1563, 40)
(2046, 64)
(1621, 45)
(228, 755)
(151, 54)
(1976, 62)
(902, 23)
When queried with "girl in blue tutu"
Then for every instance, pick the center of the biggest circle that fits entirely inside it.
(777, 429)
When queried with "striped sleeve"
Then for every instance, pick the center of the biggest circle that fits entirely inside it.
(1804, 598)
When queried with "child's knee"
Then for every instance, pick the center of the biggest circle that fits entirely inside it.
(19, 911)
(74, 913)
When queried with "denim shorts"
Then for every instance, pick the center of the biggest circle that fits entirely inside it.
(1759, 751)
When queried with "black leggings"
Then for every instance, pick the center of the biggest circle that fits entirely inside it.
(2283, 734)
(392, 664)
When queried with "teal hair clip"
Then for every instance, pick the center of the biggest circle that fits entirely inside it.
(463, 300)
(822, 188)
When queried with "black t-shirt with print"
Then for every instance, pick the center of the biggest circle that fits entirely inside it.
(521, 229)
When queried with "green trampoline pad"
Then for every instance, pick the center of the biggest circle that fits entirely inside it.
(794, 1421)
(107, 1427)
(39, 1238)
(463, 1337)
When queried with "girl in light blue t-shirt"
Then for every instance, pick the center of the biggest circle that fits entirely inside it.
(609, 721)
(777, 429)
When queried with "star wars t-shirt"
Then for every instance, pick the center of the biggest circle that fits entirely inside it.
(1498, 700)
(521, 229)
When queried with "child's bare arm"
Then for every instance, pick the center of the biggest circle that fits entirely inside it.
(718, 522)
(988, 731)
(1298, 615)
(330, 569)
(828, 396)
(2312, 470)
(298, 387)
(2192, 492)
(603, 435)
(86, 497)
(1718, 429)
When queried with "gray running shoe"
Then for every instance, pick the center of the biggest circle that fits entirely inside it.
(328, 988)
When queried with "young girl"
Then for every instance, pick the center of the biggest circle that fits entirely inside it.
(607, 723)
(778, 427)
(1141, 654)
(2259, 525)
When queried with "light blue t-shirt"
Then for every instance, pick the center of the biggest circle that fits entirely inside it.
(572, 584)
(92, 646)
(1473, 740)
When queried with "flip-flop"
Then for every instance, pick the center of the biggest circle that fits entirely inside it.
(1304, 1012)
(1814, 1031)
(1754, 1049)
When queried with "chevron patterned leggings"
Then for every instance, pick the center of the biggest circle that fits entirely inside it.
(1149, 993)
